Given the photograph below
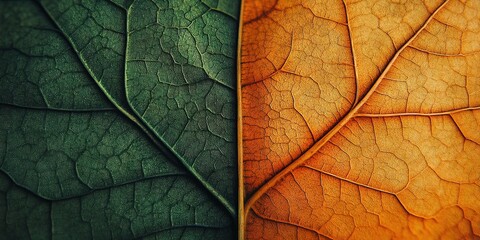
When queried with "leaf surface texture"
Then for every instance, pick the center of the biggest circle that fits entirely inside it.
(117, 119)
(360, 119)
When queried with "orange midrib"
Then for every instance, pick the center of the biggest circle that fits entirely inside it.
(315, 147)
(240, 191)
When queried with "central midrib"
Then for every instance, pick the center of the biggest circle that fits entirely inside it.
(316, 147)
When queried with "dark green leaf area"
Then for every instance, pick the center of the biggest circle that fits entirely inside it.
(117, 119)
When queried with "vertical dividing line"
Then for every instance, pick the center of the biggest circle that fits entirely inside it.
(241, 214)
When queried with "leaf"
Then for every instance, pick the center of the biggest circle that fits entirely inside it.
(117, 119)
(360, 119)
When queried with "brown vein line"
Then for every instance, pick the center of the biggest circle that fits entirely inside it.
(279, 70)
(288, 223)
(371, 188)
(241, 190)
(264, 14)
(313, 149)
(317, 16)
(349, 181)
(444, 54)
(357, 86)
(372, 115)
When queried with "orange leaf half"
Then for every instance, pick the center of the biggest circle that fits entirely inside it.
(360, 119)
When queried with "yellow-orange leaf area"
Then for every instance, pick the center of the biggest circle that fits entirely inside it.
(361, 119)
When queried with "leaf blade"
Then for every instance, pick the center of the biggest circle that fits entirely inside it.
(124, 173)
(263, 197)
(194, 101)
